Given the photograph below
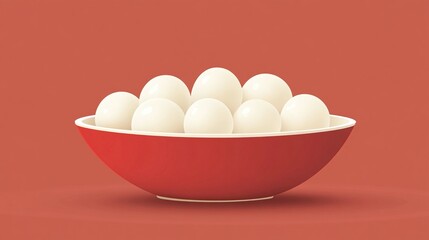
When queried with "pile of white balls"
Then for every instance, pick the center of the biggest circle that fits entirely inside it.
(218, 104)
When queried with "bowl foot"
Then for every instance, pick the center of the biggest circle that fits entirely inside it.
(214, 201)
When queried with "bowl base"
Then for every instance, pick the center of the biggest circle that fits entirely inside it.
(213, 201)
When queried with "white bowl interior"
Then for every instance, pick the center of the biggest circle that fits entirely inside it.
(337, 123)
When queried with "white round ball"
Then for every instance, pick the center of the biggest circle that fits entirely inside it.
(116, 110)
(257, 116)
(158, 115)
(220, 84)
(169, 87)
(208, 115)
(268, 87)
(303, 112)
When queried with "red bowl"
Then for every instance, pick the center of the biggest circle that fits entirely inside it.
(220, 167)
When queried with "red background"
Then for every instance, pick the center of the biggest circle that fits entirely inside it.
(368, 60)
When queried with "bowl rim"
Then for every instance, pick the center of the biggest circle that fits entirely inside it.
(349, 122)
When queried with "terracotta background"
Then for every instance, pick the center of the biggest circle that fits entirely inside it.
(366, 59)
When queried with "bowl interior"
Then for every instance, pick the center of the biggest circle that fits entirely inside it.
(336, 123)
